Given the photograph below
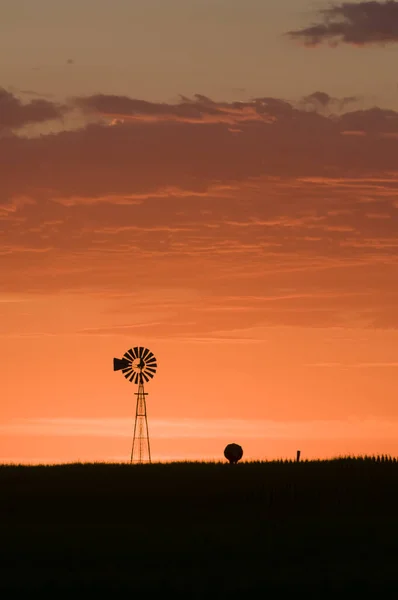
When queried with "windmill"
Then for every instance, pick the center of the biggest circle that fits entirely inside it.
(138, 365)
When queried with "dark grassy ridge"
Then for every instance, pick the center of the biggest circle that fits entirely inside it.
(198, 530)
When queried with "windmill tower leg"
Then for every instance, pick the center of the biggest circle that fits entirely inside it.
(141, 450)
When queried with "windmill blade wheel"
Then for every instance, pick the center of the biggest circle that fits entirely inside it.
(138, 365)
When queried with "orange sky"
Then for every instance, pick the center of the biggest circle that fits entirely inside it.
(251, 245)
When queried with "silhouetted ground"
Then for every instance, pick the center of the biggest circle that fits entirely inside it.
(197, 530)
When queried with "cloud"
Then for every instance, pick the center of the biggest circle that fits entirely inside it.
(14, 114)
(141, 157)
(14, 204)
(138, 198)
(285, 203)
(374, 120)
(324, 103)
(208, 428)
(199, 109)
(358, 23)
(362, 365)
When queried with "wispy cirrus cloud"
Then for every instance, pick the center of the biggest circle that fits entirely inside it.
(357, 365)
(357, 23)
(138, 198)
(208, 428)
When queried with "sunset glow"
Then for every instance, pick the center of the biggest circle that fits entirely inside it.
(194, 199)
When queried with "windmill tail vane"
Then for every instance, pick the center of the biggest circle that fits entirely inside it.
(120, 363)
(138, 365)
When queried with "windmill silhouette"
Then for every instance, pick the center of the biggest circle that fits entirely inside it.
(138, 365)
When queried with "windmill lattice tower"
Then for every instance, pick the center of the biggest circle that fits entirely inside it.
(138, 365)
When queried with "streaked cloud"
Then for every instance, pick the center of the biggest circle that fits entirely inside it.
(14, 204)
(138, 198)
(200, 109)
(360, 365)
(208, 428)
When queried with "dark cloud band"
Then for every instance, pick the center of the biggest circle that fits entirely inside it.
(140, 157)
(14, 114)
(358, 23)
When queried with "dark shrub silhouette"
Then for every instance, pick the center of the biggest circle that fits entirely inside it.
(233, 453)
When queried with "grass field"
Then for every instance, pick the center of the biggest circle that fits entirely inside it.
(201, 530)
